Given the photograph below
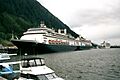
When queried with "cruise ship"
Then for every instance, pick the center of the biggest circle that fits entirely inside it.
(47, 40)
(105, 45)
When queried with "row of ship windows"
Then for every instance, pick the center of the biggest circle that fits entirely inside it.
(58, 42)
(66, 43)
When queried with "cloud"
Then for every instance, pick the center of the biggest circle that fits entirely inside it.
(98, 24)
(100, 32)
(94, 19)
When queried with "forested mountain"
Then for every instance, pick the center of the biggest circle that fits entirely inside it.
(16, 16)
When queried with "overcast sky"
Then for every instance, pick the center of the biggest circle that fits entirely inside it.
(97, 20)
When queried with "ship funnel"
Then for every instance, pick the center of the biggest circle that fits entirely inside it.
(42, 24)
(59, 31)
(65, 31)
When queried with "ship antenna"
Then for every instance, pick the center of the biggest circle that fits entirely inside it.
(12, 36)
(42, 24)
(16, 37)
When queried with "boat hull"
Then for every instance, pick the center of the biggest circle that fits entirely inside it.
(31, 47)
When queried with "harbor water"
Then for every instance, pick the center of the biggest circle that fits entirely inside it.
(95, 64)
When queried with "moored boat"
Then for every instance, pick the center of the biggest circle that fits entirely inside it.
(35, 69)
(7, 68)
(27, 68)
(46, 40)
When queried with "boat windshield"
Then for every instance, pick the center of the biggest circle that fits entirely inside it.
(47, 76)
(33, 62)
(51, 76)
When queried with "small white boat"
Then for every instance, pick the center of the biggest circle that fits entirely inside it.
(5, 56)
(35, 69)
(6, 68)
(29, 69)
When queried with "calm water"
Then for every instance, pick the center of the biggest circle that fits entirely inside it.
(96, 64)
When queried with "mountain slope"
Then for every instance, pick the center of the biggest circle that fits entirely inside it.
(18, 15)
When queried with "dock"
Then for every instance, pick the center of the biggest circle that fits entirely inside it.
(1, 78)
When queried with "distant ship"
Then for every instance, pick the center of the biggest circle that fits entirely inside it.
(105, 45)
(46, 40)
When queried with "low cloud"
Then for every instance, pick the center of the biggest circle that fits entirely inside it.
(98, 25)
(99, 32)
(97, 20)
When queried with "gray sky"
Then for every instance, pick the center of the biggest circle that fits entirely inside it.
(97, 20)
